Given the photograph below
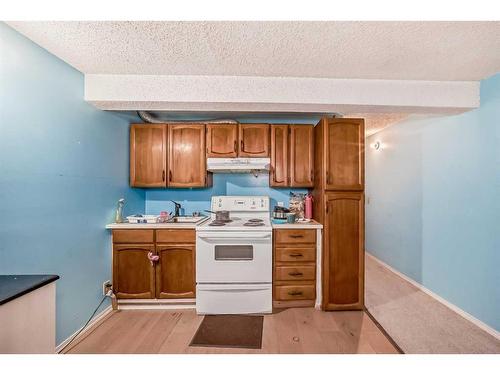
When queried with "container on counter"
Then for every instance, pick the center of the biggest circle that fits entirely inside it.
(142, 219)
(290, 218)
(308, 207)
(164, 216)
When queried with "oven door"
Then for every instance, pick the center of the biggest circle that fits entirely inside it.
(234, 257)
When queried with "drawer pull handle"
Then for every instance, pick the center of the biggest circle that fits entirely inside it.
(295, 273)
(296, 236)
(296, 255)
(295, 293)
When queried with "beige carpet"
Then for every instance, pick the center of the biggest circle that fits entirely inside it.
(417, 322)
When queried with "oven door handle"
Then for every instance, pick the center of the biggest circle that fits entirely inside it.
(230, 236)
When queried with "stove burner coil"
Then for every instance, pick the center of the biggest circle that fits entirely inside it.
(253, 224)
(217, 224)
(255, 221)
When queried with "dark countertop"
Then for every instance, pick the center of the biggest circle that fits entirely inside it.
(15, 286)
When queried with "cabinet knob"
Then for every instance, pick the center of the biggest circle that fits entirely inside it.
(235, 146)
(296, 255)
(242, 145)
(296, 236)
(295, 273)
(153, 258)
(163, 175)
(295, 293)
(170, 176)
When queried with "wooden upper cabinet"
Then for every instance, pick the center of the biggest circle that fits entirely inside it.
(343, 253)
(133, 274)
(222, 140)
(186, 160)
(292, 156)
(344, 154)
(278, 175)
(253, 140)
(175, 275)
(148, 155)
(301, 156)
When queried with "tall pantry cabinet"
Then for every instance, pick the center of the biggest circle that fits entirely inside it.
(339, 205)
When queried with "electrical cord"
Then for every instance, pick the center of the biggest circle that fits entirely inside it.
(85, 325)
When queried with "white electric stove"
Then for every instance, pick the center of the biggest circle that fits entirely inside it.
(234, 258)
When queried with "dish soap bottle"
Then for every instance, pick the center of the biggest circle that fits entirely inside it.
(119, 211)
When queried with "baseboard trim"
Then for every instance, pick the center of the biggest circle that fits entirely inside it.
(478, 323)
(94, 322)
(156, 304)
(125, 306)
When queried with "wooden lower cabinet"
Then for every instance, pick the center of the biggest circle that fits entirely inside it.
(175, 271)
(133, 275)
(343, 251)
(294, 270)
(163, 268)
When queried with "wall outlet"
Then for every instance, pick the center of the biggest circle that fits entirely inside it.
(106, 287)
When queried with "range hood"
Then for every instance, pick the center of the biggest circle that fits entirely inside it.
(238, 165)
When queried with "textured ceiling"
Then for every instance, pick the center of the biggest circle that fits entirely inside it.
(371, 50)
(375, 122)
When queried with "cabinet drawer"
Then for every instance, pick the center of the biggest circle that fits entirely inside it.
(292, 236)
(286, 273)
(295, 254)
(176, 236)
(133, 236)
(294, 292)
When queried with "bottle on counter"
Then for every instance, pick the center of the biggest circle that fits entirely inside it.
(308, 206)
(119, 211)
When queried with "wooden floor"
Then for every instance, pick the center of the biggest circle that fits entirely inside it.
(296, 330)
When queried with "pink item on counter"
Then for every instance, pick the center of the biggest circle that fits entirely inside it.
(308, 203)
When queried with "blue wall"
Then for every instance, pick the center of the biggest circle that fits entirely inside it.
(63, 165)
(224, 184)
(434, 211)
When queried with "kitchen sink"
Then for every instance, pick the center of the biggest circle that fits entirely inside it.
(186, 219)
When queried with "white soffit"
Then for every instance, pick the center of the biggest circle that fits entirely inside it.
(278, 94)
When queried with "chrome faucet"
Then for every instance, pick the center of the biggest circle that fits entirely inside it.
(177, 208)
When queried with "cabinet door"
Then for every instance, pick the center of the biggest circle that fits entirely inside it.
(133, 274)
(301, 156)
(148, 155)
(344, 154)
(187, 160)
(254, 140)
(175, 275)
(222, 140)
(279, 156)
(343, 251)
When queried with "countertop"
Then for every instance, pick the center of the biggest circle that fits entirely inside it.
(310, 225)
(156, 225)
(15, 286)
